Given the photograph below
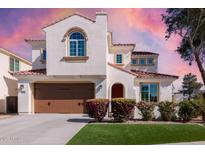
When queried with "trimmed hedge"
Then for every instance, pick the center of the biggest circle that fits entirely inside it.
(203, 109)
(147, 110)
(97, 108)
(198, 106)
(189, 109)
(122, 108)
(167, 110)
(186, 110)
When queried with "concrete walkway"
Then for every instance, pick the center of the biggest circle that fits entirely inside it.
(41, 128)
(188, 143)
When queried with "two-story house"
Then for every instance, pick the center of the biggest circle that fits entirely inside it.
(78, 61)
(10, 62)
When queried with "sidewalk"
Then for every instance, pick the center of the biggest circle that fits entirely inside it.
(187, 143)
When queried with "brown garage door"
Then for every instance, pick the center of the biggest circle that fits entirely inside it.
(62, 97)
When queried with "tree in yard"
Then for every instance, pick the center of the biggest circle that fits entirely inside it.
(190, 86)
(189, 24)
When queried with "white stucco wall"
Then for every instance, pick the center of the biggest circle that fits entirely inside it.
(115, 75)
(101, 88)
(144, 68)
(165, 92)
(36, 59)
(126, 58)
(8, 83)
(37, 46)
(165, 88)
(25, 98)
(96, 47)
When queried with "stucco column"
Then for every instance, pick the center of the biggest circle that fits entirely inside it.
(24, 98)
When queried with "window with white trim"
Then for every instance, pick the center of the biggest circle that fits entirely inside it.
(134, 61)
(118, 59)
(14, 65)
(150, 61)
(142, 61)
(43, 54)
(149, 92)
(77, 44)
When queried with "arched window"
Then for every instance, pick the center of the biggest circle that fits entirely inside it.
(77, 44)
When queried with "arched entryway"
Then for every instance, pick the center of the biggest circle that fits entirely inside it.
(117, 90)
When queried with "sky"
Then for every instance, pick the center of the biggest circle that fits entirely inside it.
(143, 27)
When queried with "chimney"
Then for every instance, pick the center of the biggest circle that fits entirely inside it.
(101, 17)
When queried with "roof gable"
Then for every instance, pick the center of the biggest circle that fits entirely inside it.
(75, 14)
(9, 53)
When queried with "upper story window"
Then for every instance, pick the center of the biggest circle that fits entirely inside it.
(118, 59)
(142, 61)
(14, 65)
(149, 92)
(134, 62)
(77, 44)
(43, 54)
(150, 61)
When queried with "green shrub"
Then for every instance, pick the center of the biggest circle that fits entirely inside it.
(97, 108)
(203, 110)
(186, 110)
(147, 110)
(198, 105)
(167, 110)
(122, 108)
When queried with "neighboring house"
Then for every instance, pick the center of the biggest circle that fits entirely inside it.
(178, 97)
(78, 61)
(202, 89)
(8, 84)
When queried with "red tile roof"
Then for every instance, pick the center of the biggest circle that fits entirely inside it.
(122, 69)
(76, 13)
(138, 74)
(143, 53)
(143, 74)
(31, 72)
(119, 44)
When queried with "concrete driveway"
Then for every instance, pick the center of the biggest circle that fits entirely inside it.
(41, 128)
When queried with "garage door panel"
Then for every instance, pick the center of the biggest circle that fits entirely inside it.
(41, 106)
(67, 106)
(62, 98)
(64, 91)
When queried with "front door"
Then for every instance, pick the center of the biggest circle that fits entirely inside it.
(117, 90)
(12, 104)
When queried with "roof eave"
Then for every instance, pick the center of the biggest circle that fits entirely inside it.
(5, 51)
(57, 21)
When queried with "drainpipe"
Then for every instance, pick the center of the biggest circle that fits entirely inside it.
(110, 106)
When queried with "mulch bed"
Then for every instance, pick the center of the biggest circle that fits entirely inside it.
(140, 121)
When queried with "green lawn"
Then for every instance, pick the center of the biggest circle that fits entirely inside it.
(130, 134)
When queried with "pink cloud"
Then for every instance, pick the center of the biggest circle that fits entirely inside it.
(123, 22)
(29, 27)
(148, 20)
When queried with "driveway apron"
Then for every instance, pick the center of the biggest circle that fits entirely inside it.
(41, 128)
